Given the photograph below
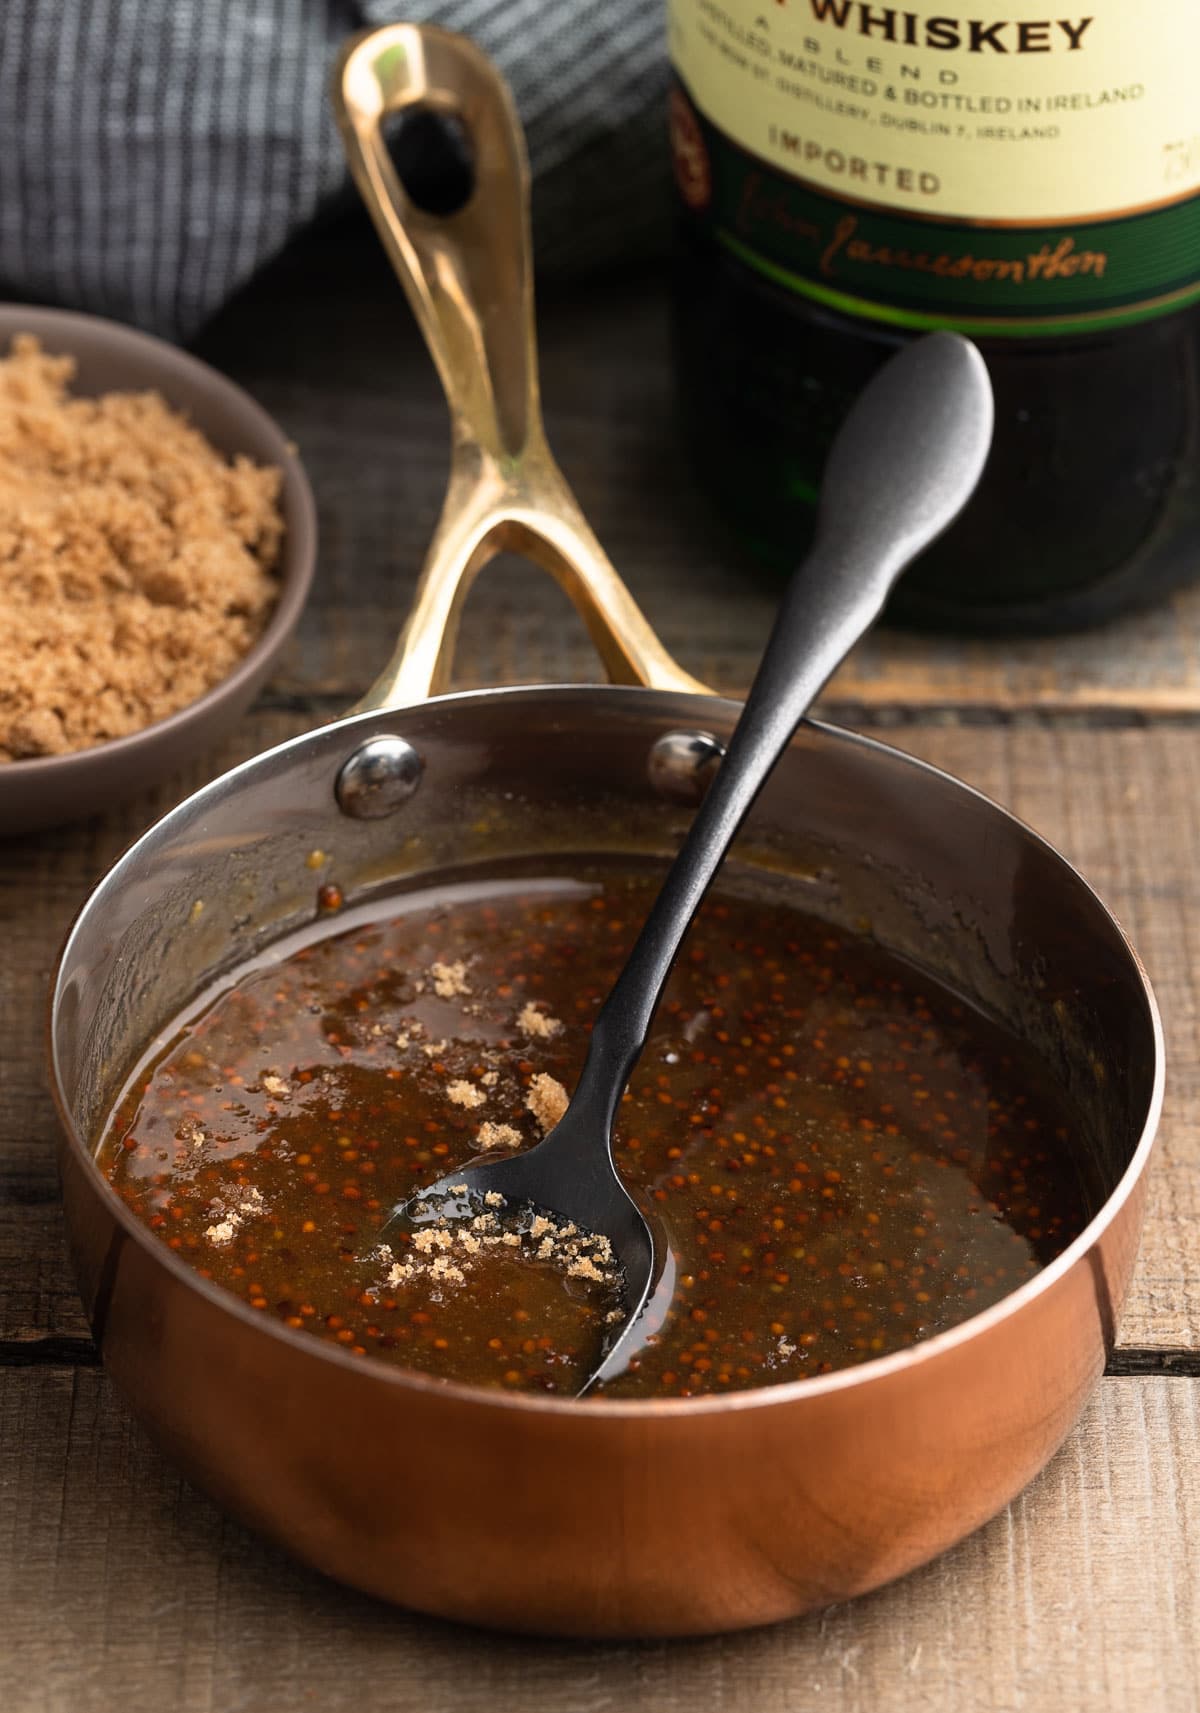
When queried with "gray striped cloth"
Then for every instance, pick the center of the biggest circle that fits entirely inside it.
(154, 153)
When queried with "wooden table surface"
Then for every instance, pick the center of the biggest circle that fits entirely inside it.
(121, 1588)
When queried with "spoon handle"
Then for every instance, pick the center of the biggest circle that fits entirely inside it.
(902, 467)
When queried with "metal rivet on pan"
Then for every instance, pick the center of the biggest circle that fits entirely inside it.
(681, 765)
(378, 778)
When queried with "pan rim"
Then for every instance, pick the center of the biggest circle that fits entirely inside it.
(678, 1410)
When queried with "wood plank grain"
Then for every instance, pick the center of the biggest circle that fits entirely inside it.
(359, 396)
(1123, 804)
(124, 1587)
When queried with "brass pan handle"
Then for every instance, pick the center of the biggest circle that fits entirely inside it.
(469, 278)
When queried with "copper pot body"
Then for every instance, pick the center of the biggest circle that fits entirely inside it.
(605, 1518)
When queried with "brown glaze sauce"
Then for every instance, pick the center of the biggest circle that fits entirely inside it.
(842, 1156)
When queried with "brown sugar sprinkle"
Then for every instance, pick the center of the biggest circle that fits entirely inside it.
(136, 562)
(247, 1204)
(191, 1133)
(843, 1157)
(464, 1093)
(537, 1024)
(449, 980)
(492, 1135)
(547, 1099)
(454, 1245)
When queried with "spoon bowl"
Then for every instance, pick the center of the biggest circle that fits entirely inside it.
(571, 1176)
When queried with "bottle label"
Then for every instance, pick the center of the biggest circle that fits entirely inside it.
(1006, 173)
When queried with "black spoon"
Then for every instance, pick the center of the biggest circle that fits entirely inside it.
(902, 467)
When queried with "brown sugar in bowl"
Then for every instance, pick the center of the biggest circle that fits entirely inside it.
(42, 791)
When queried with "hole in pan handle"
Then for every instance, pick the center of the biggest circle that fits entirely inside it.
(468, 275)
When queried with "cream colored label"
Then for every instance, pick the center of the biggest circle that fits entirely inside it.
(1013, 116)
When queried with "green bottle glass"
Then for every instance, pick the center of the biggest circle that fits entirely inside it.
(852, 174)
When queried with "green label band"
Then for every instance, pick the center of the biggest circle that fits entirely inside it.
(935, 273)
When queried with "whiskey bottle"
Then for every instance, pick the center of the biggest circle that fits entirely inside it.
(850, 174)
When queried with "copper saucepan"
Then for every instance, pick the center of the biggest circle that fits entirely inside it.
(608, 1517)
